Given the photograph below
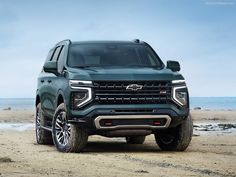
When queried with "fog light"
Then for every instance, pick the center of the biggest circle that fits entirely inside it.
(106, 123)
(157, 123)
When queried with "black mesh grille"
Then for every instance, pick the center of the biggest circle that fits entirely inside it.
(116, 92)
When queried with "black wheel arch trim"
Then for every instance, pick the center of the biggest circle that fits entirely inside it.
(60, 93)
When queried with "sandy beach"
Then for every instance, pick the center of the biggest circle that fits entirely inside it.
(210, 153)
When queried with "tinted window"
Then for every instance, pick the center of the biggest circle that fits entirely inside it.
(49, 55)
(56, 53)
(112, 54)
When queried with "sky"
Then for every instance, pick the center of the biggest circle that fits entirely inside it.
(200, 34)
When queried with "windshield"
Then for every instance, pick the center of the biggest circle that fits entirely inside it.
(112, 54)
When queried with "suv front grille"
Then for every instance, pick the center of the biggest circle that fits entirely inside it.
(116, 92)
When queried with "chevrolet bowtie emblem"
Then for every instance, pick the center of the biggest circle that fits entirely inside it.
(134, 87)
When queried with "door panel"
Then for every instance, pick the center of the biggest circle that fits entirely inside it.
(47, 93)
(48, 88)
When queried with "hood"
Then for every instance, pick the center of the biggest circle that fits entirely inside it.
(118, 73)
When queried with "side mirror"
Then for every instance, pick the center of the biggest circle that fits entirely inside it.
(173, 65)
(50, 67)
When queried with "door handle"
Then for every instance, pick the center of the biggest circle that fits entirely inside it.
(49, 81)
(42, 81)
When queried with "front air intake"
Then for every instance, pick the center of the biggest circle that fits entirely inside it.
(132, 92)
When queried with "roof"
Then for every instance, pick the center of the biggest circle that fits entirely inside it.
(105, 42)
(68, 41)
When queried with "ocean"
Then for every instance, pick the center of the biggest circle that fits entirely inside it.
(215, 103)
(17, 103)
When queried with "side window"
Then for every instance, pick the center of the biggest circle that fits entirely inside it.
(49, 55)
(61, 59)
(56, 53)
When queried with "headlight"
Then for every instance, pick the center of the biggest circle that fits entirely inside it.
(180, 95)
(81, 93)
(76, 83)
(178, 82)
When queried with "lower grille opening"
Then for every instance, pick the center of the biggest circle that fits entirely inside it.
(135, 110)
(132, 121)
(114, 122)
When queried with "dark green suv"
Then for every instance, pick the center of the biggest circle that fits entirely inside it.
(113, 89)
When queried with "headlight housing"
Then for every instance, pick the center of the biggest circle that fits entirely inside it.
(81, 94)
(77, 83)
(180, 92)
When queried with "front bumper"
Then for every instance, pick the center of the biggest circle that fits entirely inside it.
(111, 122)
(89, 117)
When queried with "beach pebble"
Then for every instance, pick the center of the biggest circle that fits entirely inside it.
(7, 109)
(197, 108)
(196, 134)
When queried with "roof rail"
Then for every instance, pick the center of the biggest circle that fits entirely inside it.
(136, 40)
(65, 40)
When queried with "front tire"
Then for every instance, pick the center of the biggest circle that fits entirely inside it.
(67, 137)
(175, 139)
(42, 136)
(135, 140)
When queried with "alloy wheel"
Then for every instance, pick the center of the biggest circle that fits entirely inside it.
(63, 129)
(38, 123)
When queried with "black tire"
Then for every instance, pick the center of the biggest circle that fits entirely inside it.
(175, 139)
(135, 140)
(42, 136)
(67, 137)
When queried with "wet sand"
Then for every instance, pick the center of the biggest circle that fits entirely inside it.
(210, 154)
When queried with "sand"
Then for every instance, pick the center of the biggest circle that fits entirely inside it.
(212, 154)
(221, 116)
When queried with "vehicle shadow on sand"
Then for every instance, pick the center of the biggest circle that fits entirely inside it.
(118, 147)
